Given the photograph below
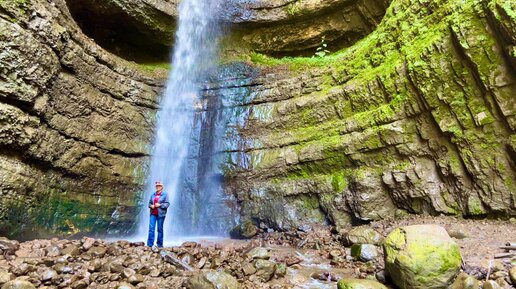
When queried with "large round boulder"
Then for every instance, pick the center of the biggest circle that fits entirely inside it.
(421, 256)
(213, 280)
(349, 283)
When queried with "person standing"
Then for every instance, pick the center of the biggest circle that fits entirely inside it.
(158, 204)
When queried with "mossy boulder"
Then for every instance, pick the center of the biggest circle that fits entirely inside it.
(464, 281)
(212, 280)
(359, 284)
(421, 256)
(363, 235)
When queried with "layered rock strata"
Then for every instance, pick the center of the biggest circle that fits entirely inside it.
(76, 123)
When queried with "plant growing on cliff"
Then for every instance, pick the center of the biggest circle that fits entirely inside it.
(322, 50)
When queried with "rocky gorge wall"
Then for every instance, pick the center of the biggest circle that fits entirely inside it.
(75, 126)
(417, 116)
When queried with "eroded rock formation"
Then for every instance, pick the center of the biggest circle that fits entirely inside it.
(76, 123)
(418, 116)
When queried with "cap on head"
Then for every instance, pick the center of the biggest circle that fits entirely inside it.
(159, 184)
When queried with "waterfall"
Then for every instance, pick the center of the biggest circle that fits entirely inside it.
(177, 138)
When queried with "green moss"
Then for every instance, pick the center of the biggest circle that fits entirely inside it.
(155, 66)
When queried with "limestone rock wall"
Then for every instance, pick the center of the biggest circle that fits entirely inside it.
(76, 123)
(418, 117)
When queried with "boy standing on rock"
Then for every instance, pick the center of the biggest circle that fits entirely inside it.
(158, 204)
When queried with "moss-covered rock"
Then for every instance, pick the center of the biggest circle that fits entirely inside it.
(359, 284)
(421, 256)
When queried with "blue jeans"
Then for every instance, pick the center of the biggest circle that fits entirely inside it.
(152, 229)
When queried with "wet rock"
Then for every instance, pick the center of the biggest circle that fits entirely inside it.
(47, 274)
(421, 256)
(363, 235)
(5, 276)
(464, 281)
(324, 276)
(259, 253)
(512, 275)
(359, 284)
(97, 252)
(9, 246)
(213, 280)
(364, 252)
(497, 265)
(264, 269)
(18, 284)
(490, 284)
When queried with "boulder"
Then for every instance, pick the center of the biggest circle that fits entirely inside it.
(364, 252)
(464, 281)
(259, 253)
(359, 284)
(18, 284)
(512, 275)
(5, 277)
(47, 274)
(213, 280)
(9, 246)
(97, 251)
(421, 256)
(490, 284)
(245, 230)
(363, 235)
(264, 269)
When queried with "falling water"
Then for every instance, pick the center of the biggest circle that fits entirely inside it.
(194, 54)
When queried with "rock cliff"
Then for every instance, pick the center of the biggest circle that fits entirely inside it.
(410, 113)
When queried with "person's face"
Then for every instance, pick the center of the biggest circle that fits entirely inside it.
(159, 188)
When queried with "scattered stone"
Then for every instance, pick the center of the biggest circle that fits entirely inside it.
(457, 234)
(211, 280)
(53, 251)
(97, 251)
(124, 285)
(248, 269)
(259, 253)
(18, 284)
(363, 235)
(421, 256)
(364, 252)
(47, 274)
(497, 265)
(9, 246)
(512, 275)
(245, 230)
(264, 269)
(464, 281)
(87, 243)
(72, 250)
(359, 284)
(281, 270)
(490, 284)
(5, 277)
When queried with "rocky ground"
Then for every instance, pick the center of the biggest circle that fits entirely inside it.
(311, 257)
